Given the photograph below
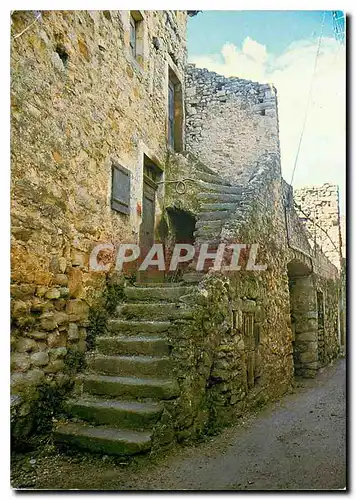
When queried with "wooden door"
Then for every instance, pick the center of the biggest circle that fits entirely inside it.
(148, 217)
(147, 230)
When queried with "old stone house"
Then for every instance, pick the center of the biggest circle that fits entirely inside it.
(109, 122)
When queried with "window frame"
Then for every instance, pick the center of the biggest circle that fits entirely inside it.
(133, 35)
(137, 36)
(175, 112)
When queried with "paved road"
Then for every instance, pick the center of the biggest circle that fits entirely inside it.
(297, 444)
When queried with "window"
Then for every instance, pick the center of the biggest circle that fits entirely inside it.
(175, 112)
(136, 35)
(120, 189)
(171, 114)
(133, 35)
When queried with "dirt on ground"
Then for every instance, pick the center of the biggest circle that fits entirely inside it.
(297, 443)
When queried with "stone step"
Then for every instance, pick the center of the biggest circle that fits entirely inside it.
(165, 284)
(221, 197)
(155, 311)
(151, 346)
(137, 328)
(122, 414)
(101, 439)
(219, 188)
(212, 241)
(209, 224)
(210, 207)
(129, 387)
(132, 366)
(193, 277)
(207, 234)
(167, 294)
(220, 215)
(213, 178)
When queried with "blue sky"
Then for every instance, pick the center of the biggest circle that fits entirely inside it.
(280, 47)
(209, 30)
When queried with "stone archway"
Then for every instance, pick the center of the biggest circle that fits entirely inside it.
(304, 316)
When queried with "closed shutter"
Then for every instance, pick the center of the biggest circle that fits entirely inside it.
(171, 114)
(120, 191)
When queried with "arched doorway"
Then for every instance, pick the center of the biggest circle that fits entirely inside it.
(304, 317)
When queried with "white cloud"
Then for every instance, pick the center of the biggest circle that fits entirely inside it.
(322, 156)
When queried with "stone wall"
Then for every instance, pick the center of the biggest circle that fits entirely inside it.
(79, 100)
(230, 122)
(321, 204)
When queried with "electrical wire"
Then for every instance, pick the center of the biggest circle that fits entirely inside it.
(28, 27)
(309, 99)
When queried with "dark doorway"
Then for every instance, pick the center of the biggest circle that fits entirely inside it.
(182, 227)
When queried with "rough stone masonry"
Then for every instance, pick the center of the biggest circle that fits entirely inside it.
(166, 361)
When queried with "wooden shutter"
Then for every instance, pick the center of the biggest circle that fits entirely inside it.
(120, 189)
(171, 114)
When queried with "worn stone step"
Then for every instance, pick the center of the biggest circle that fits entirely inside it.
(212, 241)
(193, 277)
(209, 224)
(129, 387)
(155, 311)
(140, 328)
(151, 346)
(207, 233)
(132, 366)
(167, 294)
(220, 197)
(122, 414)
(220, 188)
(213, 178)
(211, 207)
(102, 439)
(165, 284)
(220, 215)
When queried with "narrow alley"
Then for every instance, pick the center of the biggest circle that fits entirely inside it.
(297, 443)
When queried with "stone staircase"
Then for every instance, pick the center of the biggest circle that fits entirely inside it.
(218, 201)
(119, 399)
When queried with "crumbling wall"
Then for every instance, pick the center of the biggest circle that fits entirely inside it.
(230, 122)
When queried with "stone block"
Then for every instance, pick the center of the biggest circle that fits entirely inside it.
(40, 358)
(26, 345)
(61, 318)
(308, 357)
(58, 353)
(48, 322)
(56, 339)
(20, 361)
(73, 331)
(37, 335)
(77, 310)
(20, 308)
(53, 293)
(55, 366)
(61, 279)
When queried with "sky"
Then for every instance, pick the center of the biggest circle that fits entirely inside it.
(280, 47)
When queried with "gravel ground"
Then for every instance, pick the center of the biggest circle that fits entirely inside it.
(298, 443)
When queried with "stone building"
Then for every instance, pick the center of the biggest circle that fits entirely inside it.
(115, 139)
